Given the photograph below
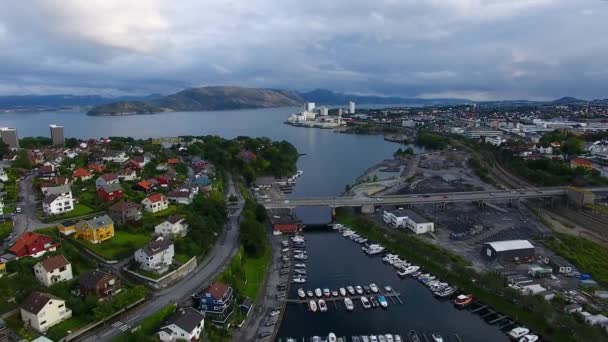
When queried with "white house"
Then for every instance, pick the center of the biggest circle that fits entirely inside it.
(546, 150)
(116, 157)
(127, 175)
(182, 196)
(496, 141)
(106, 179)
(3, 175)
(155, 203)
(173, 226)
(53, 270)
(186, 324)
(156, 256)
(58, 204)
(43, 310)
(418, 224)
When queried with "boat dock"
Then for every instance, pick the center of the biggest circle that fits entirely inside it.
(395, 297)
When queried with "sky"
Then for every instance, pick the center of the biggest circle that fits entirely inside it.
(475, 49)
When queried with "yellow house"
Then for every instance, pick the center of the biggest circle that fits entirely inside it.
(67, 227)
(95, 230)
(2, 267)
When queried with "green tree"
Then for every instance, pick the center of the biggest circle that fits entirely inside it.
(23, 160)
(573, 146)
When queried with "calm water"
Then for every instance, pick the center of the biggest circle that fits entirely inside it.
(334, 262)
(332, 161)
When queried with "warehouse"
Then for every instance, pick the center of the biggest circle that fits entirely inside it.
(507, 250)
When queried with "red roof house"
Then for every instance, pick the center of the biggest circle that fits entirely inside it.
(81, 173)
(32, 244)
(97, 167)
(110, 192)
(145, 185)
(162, 180)
(580, 162)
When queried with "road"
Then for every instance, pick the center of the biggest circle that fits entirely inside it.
(469, 196)
(27, 220)
(206, 271)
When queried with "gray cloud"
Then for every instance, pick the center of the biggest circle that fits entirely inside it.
(483, 49)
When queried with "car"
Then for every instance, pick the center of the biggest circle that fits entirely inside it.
(379, 199)
(18, 210)
(286, 201)
(268, 200)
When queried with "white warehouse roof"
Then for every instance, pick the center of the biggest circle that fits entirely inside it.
(509, 245)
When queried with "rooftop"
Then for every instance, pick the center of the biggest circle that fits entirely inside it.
(509, 245)
(54, 262)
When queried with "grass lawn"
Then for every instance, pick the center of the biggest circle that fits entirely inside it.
(120, 246)
(79, 210)
(588, 256)
(72, 324)
(246, 275)
(148, 326)
(5, 229)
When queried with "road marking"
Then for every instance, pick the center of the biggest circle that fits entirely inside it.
(117, 324)
(124, 327)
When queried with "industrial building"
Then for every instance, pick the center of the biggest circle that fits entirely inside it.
(507, 250)
(283, 221)
(57, 135)
(408, 219)
(9, 137)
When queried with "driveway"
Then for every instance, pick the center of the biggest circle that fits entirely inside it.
(206, 271)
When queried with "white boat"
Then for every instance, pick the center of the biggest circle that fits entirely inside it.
(299, 265)
(326, 292)
(518, 333)
(342, 292)
(331, 337)
(349, 304)
(389, 338)
(437, 338)
(529, 338)
(309, 293)
(359, 289)
(316, 339)
(297, 239)
(312, 305)
(300, 271)
(300, 256)
(334, 293)
(373, 287)
(365, 302)
(398, 338)
(351, 290)
(299, 280)
(322, 305)
(408, 270)
(373, 338)
(387, 288)
(364, 338)
(318, 292)
(373, 249)
(381, 338)
(301, 293)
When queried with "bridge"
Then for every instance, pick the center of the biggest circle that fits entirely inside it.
(580, 195)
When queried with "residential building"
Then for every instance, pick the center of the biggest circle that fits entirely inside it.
(417, 223)
(5, 333)
(127, 174)
(118, 157)
(145, 185)
(96, 167)
(56, 189)
(309, 106)
(3, 175)
(572, 308)
(57, 204)
(560, 265)
(598, 319)
(545, 150)
(157, 256)
(53, 270)
(110, 192)
(67, 227)
(155, 203)
(186, 324)
(47, 171)
(2, 267)
(99, 283)
(283, 221)
(42, 310)
(509, 249)
(125, 211)
(33, 244)
(9, 137)
(496, 141)
(106, 179)
(580, 162)
(57, 135)
(95, 230)
(181, 196)
(82, 174)
(175, 225)
(216, 302)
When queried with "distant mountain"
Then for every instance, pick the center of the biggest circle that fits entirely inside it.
(567, 101)
(328, 97)
(49, 102)
(205, 98)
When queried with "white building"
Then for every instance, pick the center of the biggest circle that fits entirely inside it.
(546, 150)
(119, 157)
(127, 175)
(173, 226)
(53, 270)
(323, 111)
(156, 256)
(58, 200)
(496, 141)
(398, 221)
(418, 224)
(351, 107)
(43, 310)
(185, 325)
(181, 196)
(596, 319)
(155, 203)
(309, 107)
(3, 175)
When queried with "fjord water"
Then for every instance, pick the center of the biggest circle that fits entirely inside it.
(332, 160)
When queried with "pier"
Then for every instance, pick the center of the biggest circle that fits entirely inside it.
(479, 308)
(498, 319)
(394, 296)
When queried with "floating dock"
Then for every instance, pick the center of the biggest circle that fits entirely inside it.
(395, 296)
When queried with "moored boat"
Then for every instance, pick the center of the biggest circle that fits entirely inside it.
(383, 301)
(381, 338)
(351, 290)
(364, 338)
(398, 338)
(373, 287)
(463, 300)
(342, 292)
(334, 293)
(301, 293)
(359, 289)
(413, 336)
(387, 288)
(365, 302)
(318, 292)
(349, 304)
(373, 338)
(374, 302)
(322, 305)
(529, 338)
(326, 292)
(312, 305)
(389, 338)
(331, 337)
(518, 333)
(436, 337)
(309, 293)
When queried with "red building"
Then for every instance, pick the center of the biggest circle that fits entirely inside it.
(32, 244)
(283, 221)
(580, 162)
(96, 167)
(110, 192)
(162, 180)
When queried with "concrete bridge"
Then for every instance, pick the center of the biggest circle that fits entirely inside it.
(578, 196)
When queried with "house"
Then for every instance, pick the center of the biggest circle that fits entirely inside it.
(53, 182)
(47, 171)
(155, 203)
(127, 174)
(2, 267)
(54, 189)
(163, 180)
(95, 230)
(144, 185)
(580, 162)
(132, 164)
(3, 175)
(182, 196)
(125, 211)
(598, 319)
(96, 167)
(283, 221)
(106, 179)
(33, 244)
(216, 302)
(173, 161)
(545, 150)
(560, 265)
(99, 283)
(175, 225)
(57, 204)
(82, 174)
(157, 256)
(42, 310)
(247, 156)
(572, 308)
(67, 227)
(186, 324)
(118, 157)
(110, 192)
(53, 270)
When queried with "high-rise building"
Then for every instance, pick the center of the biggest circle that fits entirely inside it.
(9, 137)
(57, 135)
(323, 111)
(351, 107)
(310, 106)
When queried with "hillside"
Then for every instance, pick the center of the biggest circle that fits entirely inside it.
(328, 97)
(205, 98)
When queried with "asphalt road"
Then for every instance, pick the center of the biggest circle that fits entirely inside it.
(27, 219)
(205, 272)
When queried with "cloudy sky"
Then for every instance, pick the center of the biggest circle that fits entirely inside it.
(478, 49)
